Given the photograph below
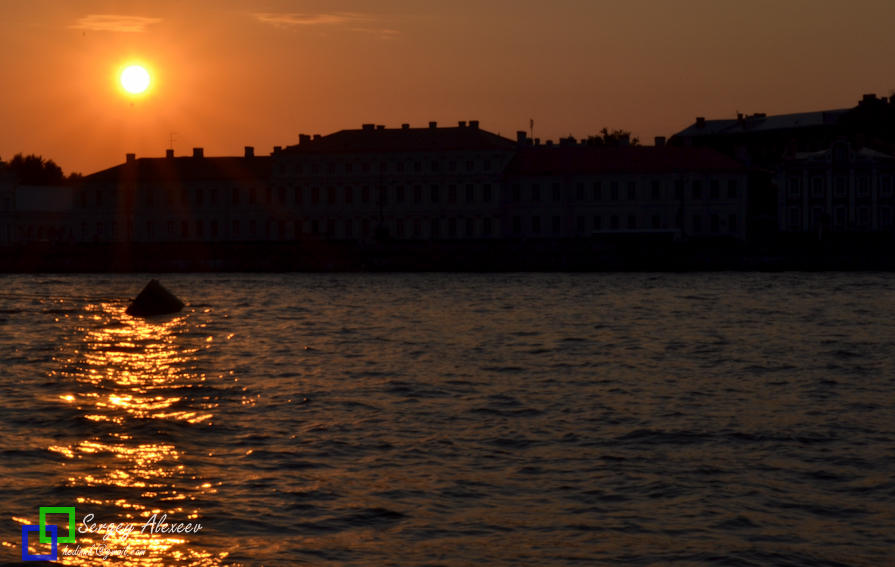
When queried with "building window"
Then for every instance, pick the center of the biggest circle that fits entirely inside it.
(470, 166)
(214, 229)
(613, 222)
(795, 216)
(214, 196)
(841, 186)
(84, 199)
(715, 223)
(487, 165)
(632, 222)
(331, 227)
(365, 167)
(598, 222)
(732, 188)
(452, 227)
(470, 227)
(435, 227)
(200, 229)
(235, 229)
(365, 194)
(536, 192)
(579, 224)
(330, 195)
(452, 166)
(399, 228)
(433, 193)
(864, 217)
(281, 195)
(486, 193)
(331, 168)
(632, 190)
(200, 196)
(298, 228)
(613, 190)
(383, 195)
(298, 168)
(732, 223)
(657, 222)
(149, 227)
(556, 192)
(315, 226)
(536, 225)
(579, 191)
(399, 194)
(697, 189)
(253, 196)
(452, 193)
(795, 187)
(486, 226)
(417, 228)
(556, 225)
(281, 228)
(863, 186)
(598, 191)
(714, 189)
(170, 229)
(185, 229)
(885, 216)
(349, 195)
(434, 166)
(517, 225)
(417, 193)
(517, 193)
(365, 227)
(348, 168)
(99, 198)
(678, 190)
(816, 213)
(656, 191)
(839, 216)
(236, 195)
(817, 187)
(315, 195)
(253, 229)
(383, 167)
(470, 194)
(885, 186)
(697, 224)
(99, 230)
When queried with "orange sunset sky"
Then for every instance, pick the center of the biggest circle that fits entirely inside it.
(230, 73)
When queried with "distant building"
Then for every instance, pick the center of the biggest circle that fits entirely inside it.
(766, 140)
(575, 191)
(194, 198)
(409, 183)
(843, 189)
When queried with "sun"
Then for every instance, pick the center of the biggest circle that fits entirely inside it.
(135, 79)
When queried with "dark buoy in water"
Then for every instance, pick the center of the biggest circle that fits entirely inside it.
(154, 300)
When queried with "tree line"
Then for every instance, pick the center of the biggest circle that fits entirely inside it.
(35, 170)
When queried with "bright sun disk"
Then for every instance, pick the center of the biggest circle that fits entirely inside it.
(135, 79)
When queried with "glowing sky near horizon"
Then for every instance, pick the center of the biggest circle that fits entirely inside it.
(234, 73)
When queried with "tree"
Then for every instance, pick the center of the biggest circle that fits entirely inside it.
(607, 138)
(34, 170)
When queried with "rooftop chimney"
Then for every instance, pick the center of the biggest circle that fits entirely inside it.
(169, 153)
(462, 124)
(549, 143)
(380, 127)
(317, 136)
(700, 121)
(405, 126)
(198, 152)
(660, 141)
(433, 125)
(131, 158)
(369, 126)
(474, 124)
(302, 138)
(521, 137)
(277, 149)
(250, 151)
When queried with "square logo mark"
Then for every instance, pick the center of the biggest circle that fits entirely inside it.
(70, 510)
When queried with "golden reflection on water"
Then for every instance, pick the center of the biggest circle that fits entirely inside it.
(132, 369)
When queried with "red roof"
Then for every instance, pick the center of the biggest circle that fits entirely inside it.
(173, 170)
(404, 140)
(632, 159)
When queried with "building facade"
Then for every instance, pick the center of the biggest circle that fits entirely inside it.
(843, 189)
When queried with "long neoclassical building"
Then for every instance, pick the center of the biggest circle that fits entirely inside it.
(457, 182)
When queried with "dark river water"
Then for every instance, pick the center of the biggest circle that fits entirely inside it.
(443, 419)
